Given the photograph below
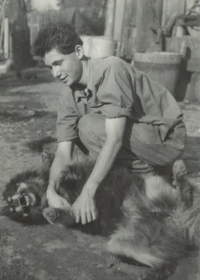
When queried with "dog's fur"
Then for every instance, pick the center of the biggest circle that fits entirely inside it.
(149, 220)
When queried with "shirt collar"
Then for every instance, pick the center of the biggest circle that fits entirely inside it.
(82, 91)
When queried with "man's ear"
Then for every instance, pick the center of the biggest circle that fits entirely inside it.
(79, 51)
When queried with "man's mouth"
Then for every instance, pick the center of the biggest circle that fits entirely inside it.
(64, 80)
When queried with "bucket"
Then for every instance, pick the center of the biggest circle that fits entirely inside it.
(101, 46)
(98, 46)
(86, 44)
(163, 67)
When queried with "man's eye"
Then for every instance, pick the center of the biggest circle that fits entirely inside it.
(49, 67)
(58, 63)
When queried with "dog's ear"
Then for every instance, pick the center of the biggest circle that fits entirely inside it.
(46, 159)
(180, 172)
(182, 183)
(45, 156)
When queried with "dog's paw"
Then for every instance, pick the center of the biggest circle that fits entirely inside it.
(46, 160)
(59, 216)
(159, 273)
(66, 217)
(50, 214)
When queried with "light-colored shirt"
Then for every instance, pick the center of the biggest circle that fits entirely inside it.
(116, 89)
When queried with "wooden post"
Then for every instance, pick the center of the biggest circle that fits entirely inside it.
(6, 38)
(3, 8)
(164, 15)
(110, 16)
(148, 25)
(1, 33)
(119, 18)
(170, 7)
(119, 23)
(10, 47)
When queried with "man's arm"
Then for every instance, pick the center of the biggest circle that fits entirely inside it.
(62, 158)
(84, 206)
(114, 139)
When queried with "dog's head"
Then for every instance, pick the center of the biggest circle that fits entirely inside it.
(26, 191)
(25, 195)
(28, 196)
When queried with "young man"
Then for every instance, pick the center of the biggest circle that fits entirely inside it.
(117, 112)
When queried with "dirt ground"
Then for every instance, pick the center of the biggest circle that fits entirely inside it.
(28, 116)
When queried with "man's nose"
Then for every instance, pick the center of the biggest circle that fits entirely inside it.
(56, 72)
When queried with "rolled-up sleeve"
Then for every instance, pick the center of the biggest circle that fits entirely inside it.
(67, 119)
(116, 93)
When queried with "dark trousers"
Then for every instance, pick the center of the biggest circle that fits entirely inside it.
(142, 142)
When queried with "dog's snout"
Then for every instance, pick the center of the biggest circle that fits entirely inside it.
(10, 200)
(19, 202)
(14, 201)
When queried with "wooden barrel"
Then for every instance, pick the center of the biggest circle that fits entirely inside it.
(163, 67)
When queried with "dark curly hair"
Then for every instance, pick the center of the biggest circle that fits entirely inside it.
(59, 35)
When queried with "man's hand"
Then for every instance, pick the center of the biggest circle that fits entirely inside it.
(56, 201)
(84, 207)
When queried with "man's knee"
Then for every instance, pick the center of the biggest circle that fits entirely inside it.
(84, 124)
(147, 144)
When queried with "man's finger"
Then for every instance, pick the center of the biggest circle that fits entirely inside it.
(94, 213)
(89, 216)
(83, 217)
(77, 217)
(76, 214)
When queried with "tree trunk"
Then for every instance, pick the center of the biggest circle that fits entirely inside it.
(16, 12)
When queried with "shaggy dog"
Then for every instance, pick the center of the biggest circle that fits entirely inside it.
(148, 220)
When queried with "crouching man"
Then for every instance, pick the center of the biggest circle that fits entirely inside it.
(119, 114)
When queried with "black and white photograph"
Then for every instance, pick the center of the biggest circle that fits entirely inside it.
(99, 139)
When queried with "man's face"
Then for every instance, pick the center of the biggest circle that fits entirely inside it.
(67, 67)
